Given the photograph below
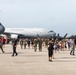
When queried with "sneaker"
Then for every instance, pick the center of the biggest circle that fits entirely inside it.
(12, 55)
(50, 60)
(73, 54)
(3, 52)
(70, 54)
(16, 54)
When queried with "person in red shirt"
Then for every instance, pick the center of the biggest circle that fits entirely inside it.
(1, 46)
(3, 40)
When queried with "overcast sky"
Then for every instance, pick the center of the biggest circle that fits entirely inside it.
(57, 15)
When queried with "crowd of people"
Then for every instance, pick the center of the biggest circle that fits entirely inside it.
(52, 45)
(61, 45)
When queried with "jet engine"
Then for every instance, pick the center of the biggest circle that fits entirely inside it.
(14, 36)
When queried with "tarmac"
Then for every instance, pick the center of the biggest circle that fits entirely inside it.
(29, 62)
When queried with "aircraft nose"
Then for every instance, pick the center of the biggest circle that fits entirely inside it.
(2, 28)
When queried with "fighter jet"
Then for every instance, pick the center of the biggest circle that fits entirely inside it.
(58, 37)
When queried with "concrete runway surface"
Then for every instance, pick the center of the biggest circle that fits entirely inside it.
(29, 62)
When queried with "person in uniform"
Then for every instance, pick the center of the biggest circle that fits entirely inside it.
(21, 43)
(14, 43)
(35, 45)
(25, 43)
(29, 41)
(72, 47)
(46, 43)
(40, 44)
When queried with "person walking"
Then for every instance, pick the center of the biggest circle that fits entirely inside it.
(72, 47)
(25, 43)
(14, 43)
(29, 42)
(1, 46)
(21, 43)
(35, 45)
(3, 41)
(40, 44)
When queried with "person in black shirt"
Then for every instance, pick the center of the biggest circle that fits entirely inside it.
(75, 41)
(14, 43)
(50, 50)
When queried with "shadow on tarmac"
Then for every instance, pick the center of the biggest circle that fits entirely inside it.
(12, 52)
(65, 59)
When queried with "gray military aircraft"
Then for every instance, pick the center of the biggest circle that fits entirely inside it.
(26, 32)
